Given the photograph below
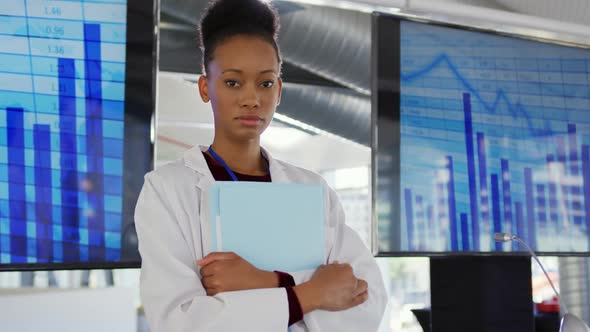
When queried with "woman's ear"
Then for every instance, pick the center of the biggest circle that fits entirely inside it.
(280, 82)
(204, 89)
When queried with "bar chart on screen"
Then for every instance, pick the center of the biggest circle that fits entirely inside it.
(495, 137)
(62, 93)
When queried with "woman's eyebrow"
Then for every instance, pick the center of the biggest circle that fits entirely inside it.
(240, 71)
(232, 70)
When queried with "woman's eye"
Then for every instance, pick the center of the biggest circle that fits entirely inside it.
(268, 84)
(232, 83)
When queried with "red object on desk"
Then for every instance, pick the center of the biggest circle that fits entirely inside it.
(548, 306)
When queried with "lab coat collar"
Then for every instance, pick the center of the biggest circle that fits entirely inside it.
(194, 159)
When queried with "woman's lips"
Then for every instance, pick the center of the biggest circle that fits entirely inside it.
(249, 120)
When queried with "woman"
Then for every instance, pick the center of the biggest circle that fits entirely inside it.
(181, 289)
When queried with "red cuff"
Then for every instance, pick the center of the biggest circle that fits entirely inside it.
(295, 311)
(285, 279)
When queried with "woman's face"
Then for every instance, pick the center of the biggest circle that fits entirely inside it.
(243, 86)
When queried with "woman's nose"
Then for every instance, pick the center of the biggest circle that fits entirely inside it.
(249, 97)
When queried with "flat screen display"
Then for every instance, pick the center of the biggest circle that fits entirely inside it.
(75, 106)
(477, 133)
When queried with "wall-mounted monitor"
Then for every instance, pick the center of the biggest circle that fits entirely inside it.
(478, 132)
(76, 99)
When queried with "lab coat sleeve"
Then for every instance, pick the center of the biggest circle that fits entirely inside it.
(173, 297)
(347, 247)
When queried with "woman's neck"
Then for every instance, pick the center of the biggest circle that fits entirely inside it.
(241, 157)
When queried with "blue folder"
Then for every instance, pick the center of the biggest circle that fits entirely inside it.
(274, 226)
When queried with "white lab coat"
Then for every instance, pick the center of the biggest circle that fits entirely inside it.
(170, 218)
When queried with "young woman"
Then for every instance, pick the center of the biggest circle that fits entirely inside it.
(183, 290)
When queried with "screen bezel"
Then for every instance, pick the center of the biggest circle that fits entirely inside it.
(385, 90)
(141, 67)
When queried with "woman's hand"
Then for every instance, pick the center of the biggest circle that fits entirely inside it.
(224, 272)
(333, 287)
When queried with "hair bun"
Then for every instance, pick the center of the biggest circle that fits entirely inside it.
(235, 14)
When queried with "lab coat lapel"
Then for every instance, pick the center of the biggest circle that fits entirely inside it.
(277, 170)
(204, 180)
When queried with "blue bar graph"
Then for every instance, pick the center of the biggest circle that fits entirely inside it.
(561, 154)
(575, 190)
(552, 188)
(94, 139)
(441, 205)
(586, 172)
(531, 236)
(62, 109)
(520, 223)
(69, 164)
(43, 193)
(507, 198)
(16, 186)
(496, 208)
(430, 218)
(540, 199)
(573, 151)
(494, 143)
(420, 222)
(452, 207)
(541, 205)
(483, 184)
(471, 168)
(564, 188)
(409, 216)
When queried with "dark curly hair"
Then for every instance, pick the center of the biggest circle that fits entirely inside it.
(227, 18)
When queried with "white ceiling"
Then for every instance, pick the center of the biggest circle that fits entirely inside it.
(571, 11)
(561, 20)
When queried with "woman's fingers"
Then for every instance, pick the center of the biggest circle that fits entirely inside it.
(361, 298)
(209, 282)
(212, 291)
(361, 287)
(211, 285)
(216, 256)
